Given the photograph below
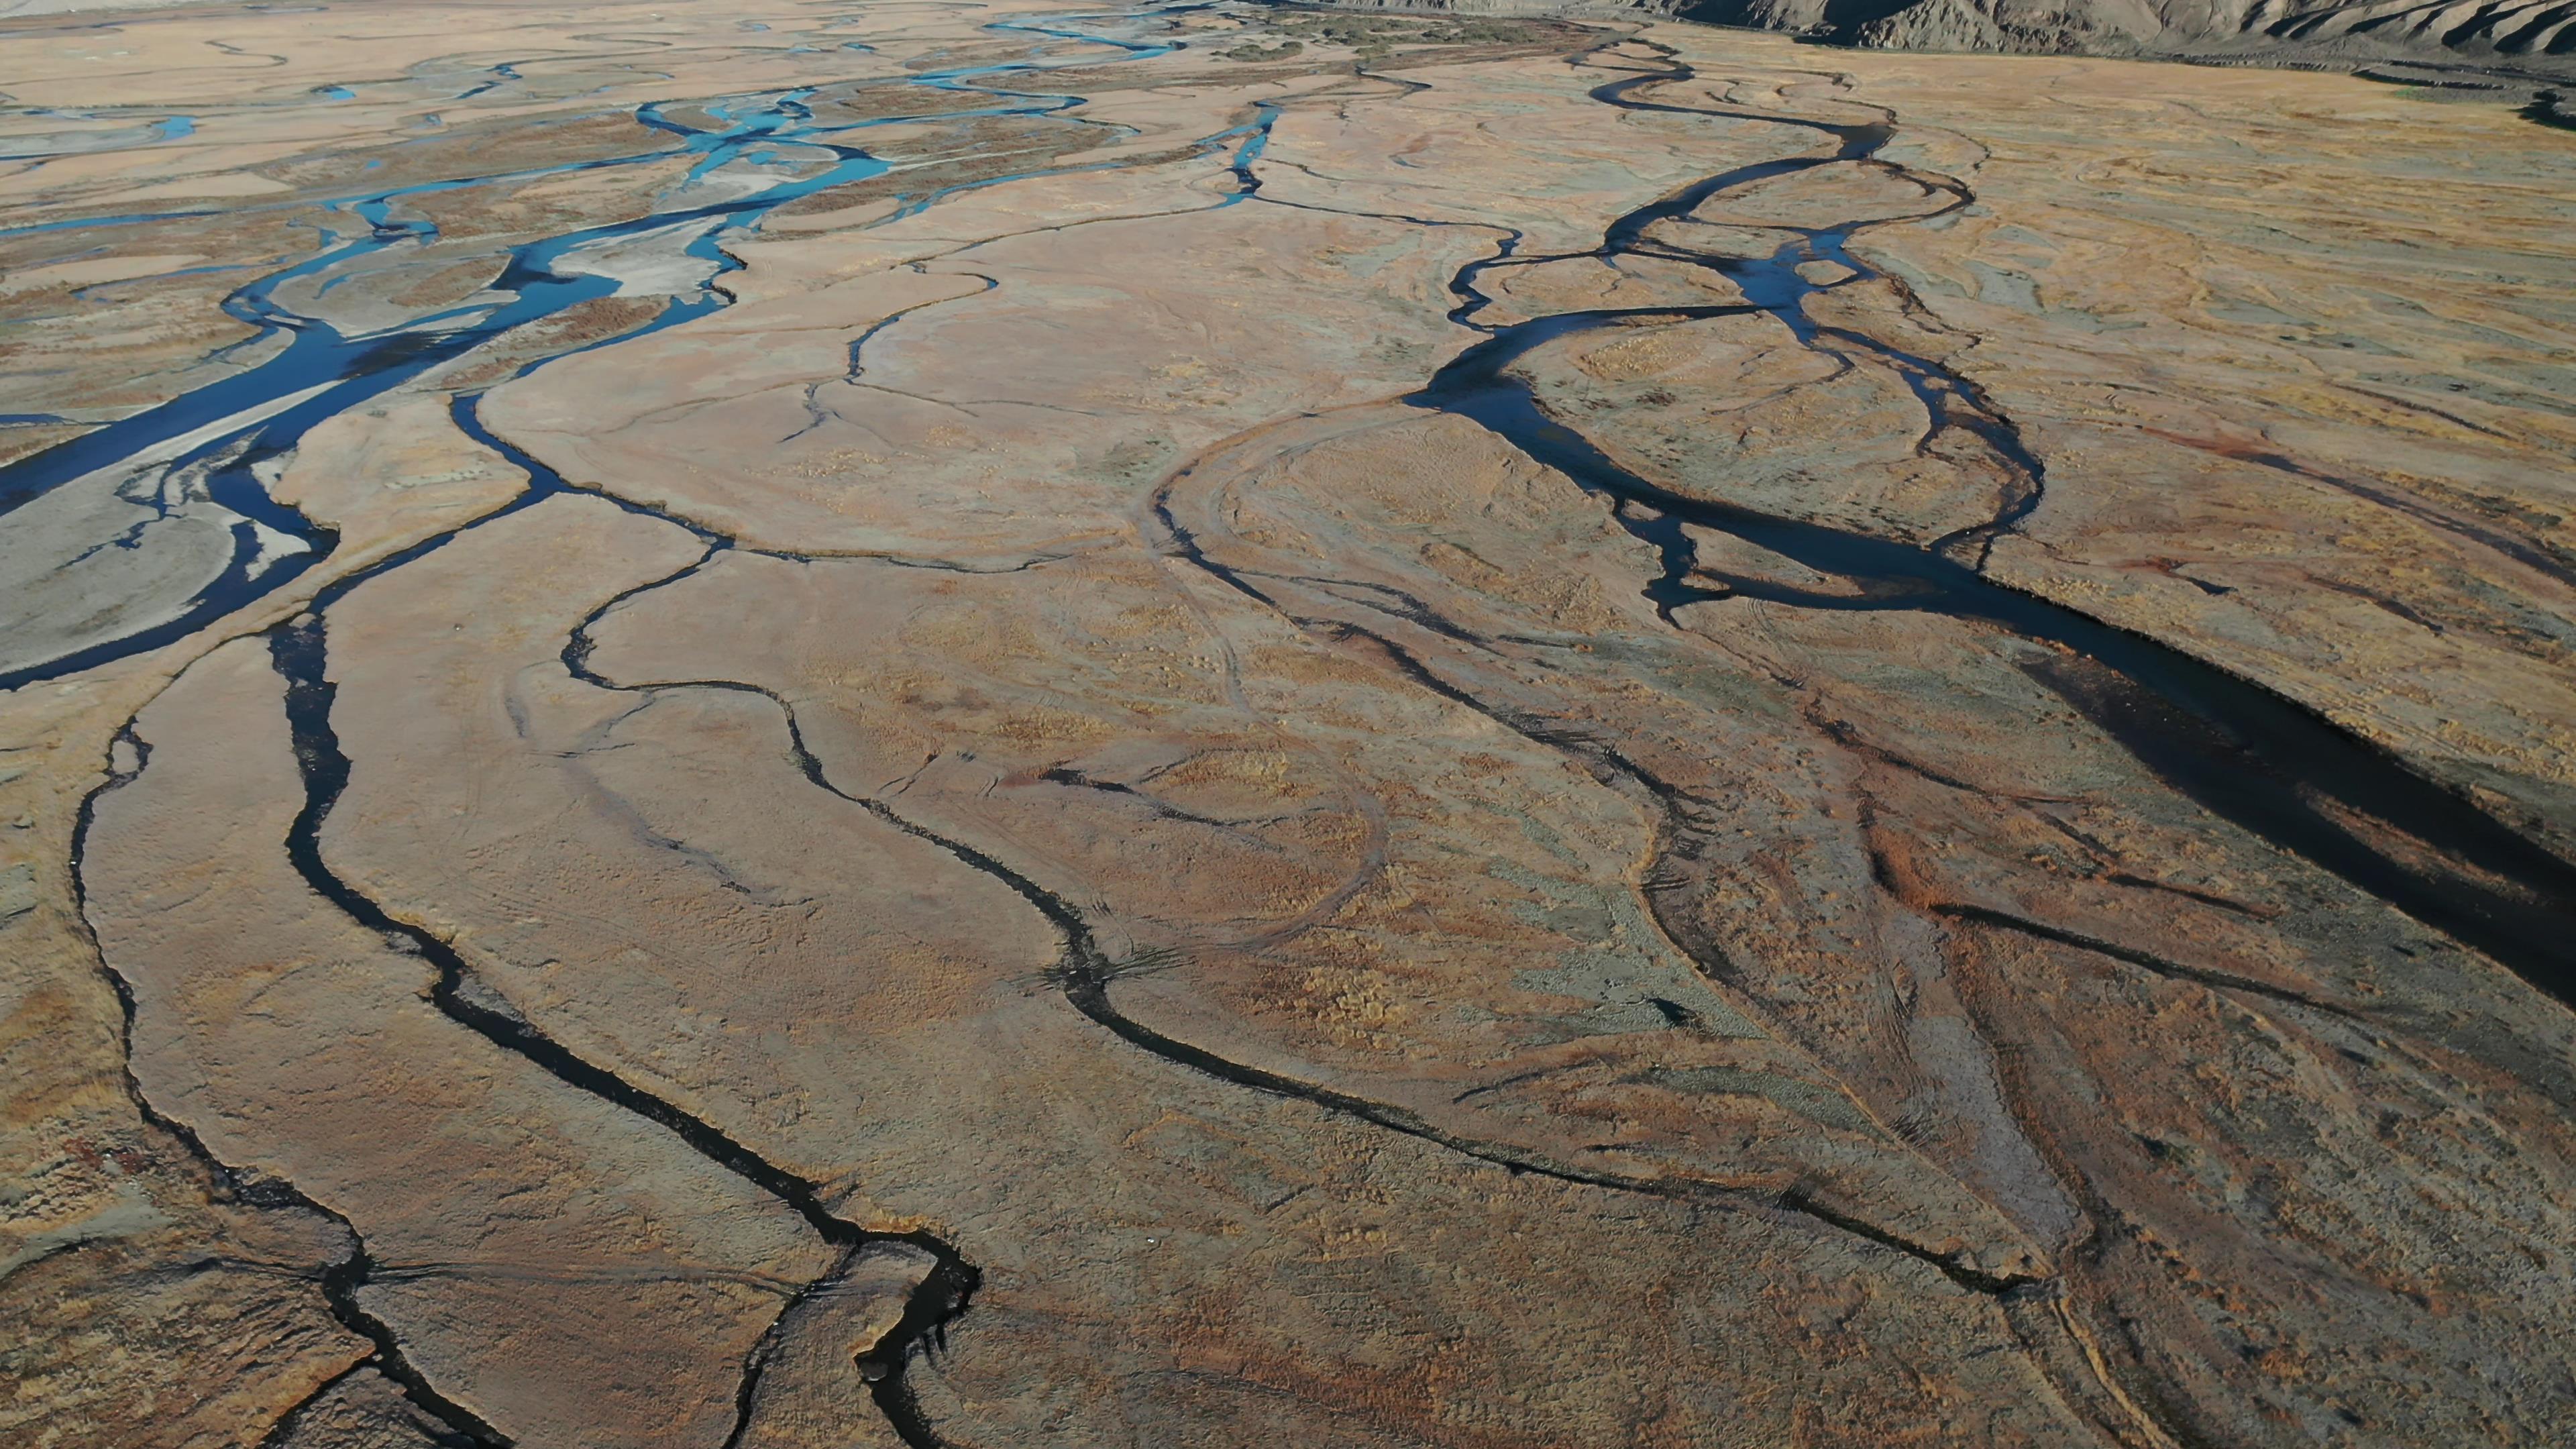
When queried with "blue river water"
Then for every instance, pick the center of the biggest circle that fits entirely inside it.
(753, 154)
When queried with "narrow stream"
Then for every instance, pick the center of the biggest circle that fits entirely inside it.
(762, 152)
(2247, 755)
(2240, 751)
(227, 430)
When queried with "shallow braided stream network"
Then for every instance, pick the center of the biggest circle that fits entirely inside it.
(217, 436)
(322, 374)
(2243, 752)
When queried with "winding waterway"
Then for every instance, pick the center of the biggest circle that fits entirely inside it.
(218, 437)
(2240, 751)
(759, 153)
(2244, 753)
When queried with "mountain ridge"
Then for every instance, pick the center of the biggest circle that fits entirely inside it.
(2530, 40)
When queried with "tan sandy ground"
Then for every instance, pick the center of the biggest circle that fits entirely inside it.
(1106, 783)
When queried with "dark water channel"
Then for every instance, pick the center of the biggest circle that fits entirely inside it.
(753, 154)
(2246, 754)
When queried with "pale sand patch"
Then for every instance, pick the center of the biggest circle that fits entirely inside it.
(89, 272)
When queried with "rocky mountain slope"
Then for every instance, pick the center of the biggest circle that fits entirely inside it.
(2478, 31)
(2533, 36)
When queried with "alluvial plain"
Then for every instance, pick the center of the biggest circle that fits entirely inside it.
(940, 724)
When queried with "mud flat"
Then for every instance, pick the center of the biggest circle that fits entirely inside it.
(946, 725)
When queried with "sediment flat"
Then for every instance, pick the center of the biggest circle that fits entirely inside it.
(955, 725)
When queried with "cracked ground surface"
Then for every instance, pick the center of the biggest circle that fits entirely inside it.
(954, 725)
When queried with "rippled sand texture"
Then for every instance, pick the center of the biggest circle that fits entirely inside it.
(968, 726)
